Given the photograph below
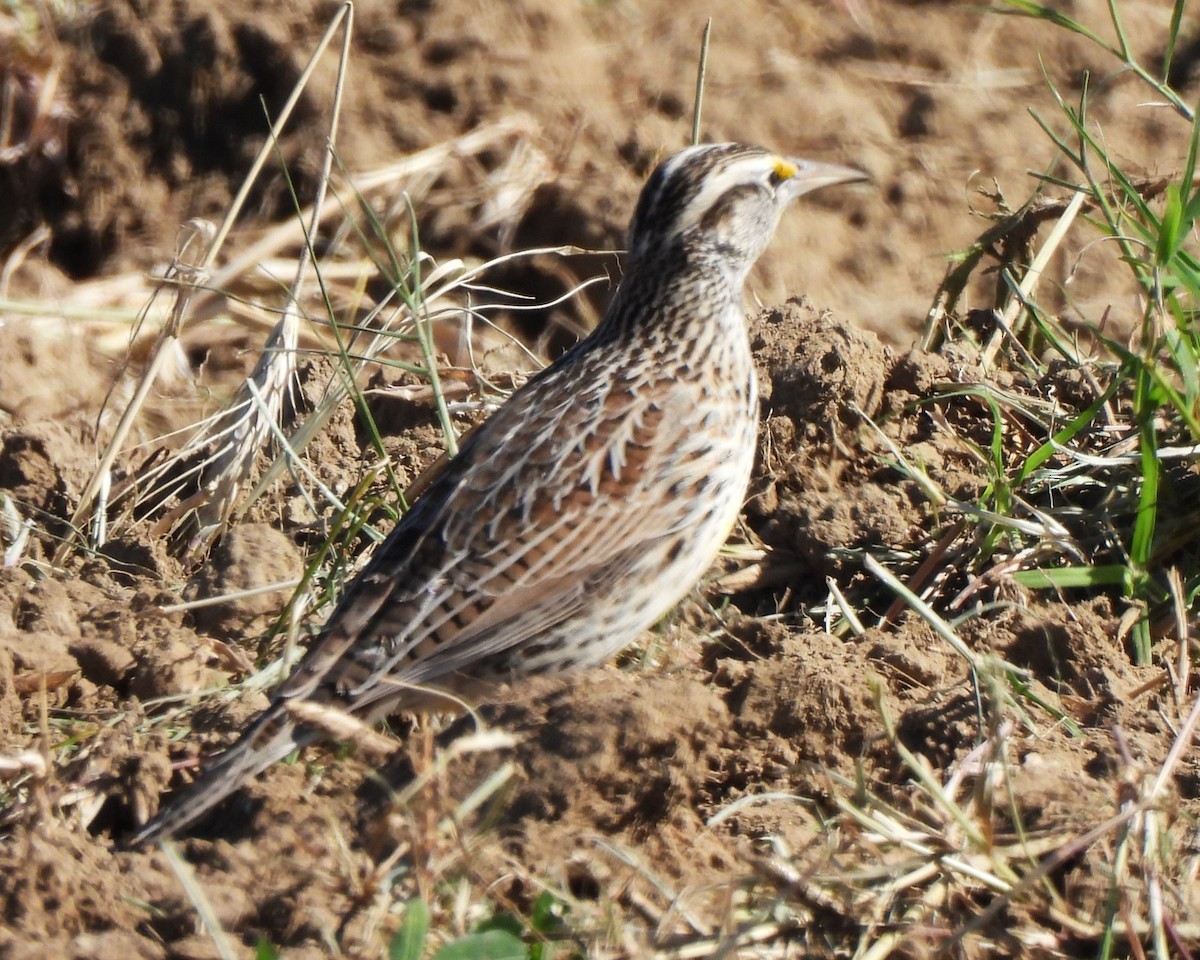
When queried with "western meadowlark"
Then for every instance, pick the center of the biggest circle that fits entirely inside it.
(586, 506)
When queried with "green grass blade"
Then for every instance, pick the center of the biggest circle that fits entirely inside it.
(1142, 541)
(409, 941)
(1114, 14)
(1064, 436)
(1172, 39)
(1026, 8)
(489, 945)
(1074, 578)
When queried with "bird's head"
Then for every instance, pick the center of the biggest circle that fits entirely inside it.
(723, 200)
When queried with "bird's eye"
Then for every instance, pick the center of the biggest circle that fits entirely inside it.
(782, 170)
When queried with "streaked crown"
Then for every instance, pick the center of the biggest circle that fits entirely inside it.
(724, 200)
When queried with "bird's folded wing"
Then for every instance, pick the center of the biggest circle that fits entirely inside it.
(502, 548)
(526, 602)
(556, 494)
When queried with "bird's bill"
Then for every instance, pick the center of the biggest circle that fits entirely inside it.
(810, 176)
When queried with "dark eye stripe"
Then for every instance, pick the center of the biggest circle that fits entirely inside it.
(718, 211)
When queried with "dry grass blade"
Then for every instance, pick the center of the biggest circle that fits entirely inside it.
(517, 129)
(14, 532)
(247, 426)
(1030, 280)
(241, 427)
(940, 626)
(208, 916)
(482, 741)
(213, 601)
(259, 405)
(341, 726)
(185, 274)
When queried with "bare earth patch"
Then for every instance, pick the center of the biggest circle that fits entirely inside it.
(759, 770)
(668, 787)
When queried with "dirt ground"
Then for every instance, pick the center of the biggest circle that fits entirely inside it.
(659, 797)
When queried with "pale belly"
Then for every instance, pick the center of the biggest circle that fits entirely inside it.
(705, 495)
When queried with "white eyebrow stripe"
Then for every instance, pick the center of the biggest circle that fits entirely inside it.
(717, 182)
(685, 155)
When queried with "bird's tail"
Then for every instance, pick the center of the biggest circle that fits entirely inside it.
(272, 737)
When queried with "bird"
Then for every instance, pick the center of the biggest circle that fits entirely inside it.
(584, 508)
